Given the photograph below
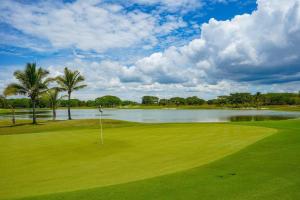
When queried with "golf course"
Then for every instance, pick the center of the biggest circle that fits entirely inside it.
(66, 160)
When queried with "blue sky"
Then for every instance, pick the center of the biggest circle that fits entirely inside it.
(156, 47)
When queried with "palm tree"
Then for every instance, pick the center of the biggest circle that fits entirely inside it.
(32, 82)
(70, 82)
(258, 99)
(52, 95)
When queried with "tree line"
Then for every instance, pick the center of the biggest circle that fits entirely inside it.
(45, 102)
(234, 100)
(256, 100)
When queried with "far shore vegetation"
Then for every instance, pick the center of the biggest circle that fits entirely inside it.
(275, 101)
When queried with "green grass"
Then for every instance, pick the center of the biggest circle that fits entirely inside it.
(137, 161)
(25, 126)
(283, 108)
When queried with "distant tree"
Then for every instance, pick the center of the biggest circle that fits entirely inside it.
(20, 102)
(129, 103)
(258, 99)
(177, 101)
(240, 99)
(163, 102)
(42, 103)
(90, 103)
(212, 102)
(194, 101)
(70, 82)
(281, 98)
(53, 97)
(108, 101)
(150, 100)
(82, 103)
(75, 103)
(222, 100)
(32, 82)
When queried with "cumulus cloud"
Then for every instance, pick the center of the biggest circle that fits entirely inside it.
(258, 46)
(261, 47)
(110, 77)
(87, 25)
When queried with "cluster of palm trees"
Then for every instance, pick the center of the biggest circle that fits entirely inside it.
(35, 82)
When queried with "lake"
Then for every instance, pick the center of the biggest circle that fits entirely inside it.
(167, 115)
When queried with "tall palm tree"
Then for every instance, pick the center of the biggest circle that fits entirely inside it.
(32, 82)
(258, 99)
(69, 82)
(53, 96)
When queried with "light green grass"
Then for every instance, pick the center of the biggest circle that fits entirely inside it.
(65, 156)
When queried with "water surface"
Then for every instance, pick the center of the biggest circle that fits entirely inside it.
(167, 115)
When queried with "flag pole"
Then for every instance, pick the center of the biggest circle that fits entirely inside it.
(100, 122)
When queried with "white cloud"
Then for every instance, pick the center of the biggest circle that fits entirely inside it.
(173, 5)
(87, 25)
(261, 47)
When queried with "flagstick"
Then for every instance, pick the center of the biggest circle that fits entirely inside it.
(101, 132)
(100, 121)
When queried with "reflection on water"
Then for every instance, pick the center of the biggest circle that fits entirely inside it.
(26, 114)
(159, 116)
(259, 118)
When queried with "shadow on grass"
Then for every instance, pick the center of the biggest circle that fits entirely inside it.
(19, 124)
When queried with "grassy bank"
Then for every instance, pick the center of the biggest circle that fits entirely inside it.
(55, 157)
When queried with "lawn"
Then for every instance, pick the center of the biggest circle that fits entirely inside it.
(53, 158)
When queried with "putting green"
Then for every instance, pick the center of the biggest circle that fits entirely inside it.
(67, 160)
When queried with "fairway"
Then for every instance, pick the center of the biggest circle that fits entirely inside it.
(67, 158)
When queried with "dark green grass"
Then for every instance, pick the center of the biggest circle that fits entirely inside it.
(25, 126)
(268, 169)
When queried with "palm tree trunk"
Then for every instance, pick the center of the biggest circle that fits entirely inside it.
(13, 116)
(69, 105)
(54, 113)
(33, 112)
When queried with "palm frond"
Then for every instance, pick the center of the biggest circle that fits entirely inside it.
(15, 89)
(50, 80)
(79, 87)
(70, 80)
(79, 79)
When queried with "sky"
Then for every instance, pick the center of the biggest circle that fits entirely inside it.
(165, 48)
